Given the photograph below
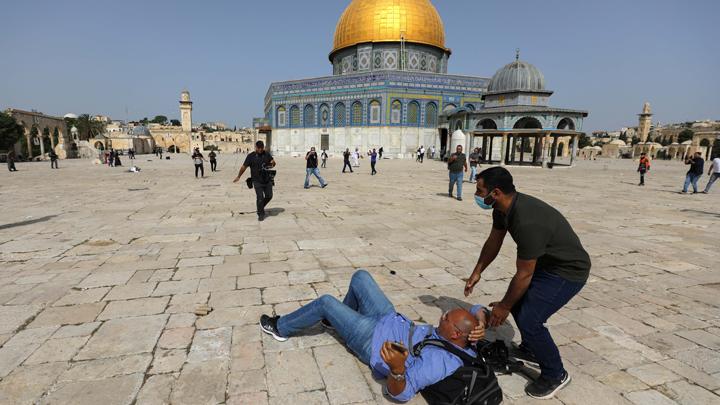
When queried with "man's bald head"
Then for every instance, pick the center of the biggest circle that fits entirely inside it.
(456, 324)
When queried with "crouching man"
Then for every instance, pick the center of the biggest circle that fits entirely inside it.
(371, 328)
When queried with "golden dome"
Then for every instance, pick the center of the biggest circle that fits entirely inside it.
(389, 20)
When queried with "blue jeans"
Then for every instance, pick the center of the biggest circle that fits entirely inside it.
(473, 173)
(354, 319)
(713, 177)
(691, 178)
(456, 178)
(545, 296)
(309, 172)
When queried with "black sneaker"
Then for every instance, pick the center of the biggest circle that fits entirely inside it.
(459, 198)
(261, 217)
(327, 325)
(269, 326)
(324, 185)
(523, 354)
(544, 388)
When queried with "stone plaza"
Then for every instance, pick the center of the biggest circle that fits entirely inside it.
(100, 280)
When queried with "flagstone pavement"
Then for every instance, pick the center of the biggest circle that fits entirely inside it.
(101, 271)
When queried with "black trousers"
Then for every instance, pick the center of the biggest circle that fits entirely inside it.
(11, 167)
(372, 166)
(200, 168)
(54, 164)
(642, 177)
(213, 165)
(324, 163)
(263, 194)
(347, 164)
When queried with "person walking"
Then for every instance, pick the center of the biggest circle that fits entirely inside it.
(714, 173)
(643, 167)
(346, 160)
(552, 267)
(324, 157)
(474, 161)
(116, 159)
(213, 161)
(11, 161)
(356, 158)
(160, 151)
(380, 152)
(131, 154)
(260, 162)
(456, 164)
(373, 161)
(417, 155)
(198, 159)
(697, 167)
(53, 159)
(311, 168)
(422, 154)
(111, 158)
(432, 152)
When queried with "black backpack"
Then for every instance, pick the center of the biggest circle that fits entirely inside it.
(474, 383)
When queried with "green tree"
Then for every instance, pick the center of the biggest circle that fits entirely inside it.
(160, 119)
(685, 135)
(635, 140)
(623, 137)
(175, 123)
(10, 131)
(583, 141)
(144, 121)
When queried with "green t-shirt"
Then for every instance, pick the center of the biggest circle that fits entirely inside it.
(459, 164)
(541, 232)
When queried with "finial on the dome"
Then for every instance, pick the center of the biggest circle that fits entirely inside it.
(517, 54)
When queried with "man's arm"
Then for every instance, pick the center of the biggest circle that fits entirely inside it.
(272, 163)
(518, 286)
(453, 158)
(396, 362)
(489, 252)
(242, 170)
(465, 164)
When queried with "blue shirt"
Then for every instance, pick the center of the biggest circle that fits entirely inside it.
(373, 157)
(434, 364)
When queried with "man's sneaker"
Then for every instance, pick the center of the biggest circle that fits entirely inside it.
(543, 388)
(459, 198)
(324, 185)
(327, 325)
(269, 326)
(522, 353)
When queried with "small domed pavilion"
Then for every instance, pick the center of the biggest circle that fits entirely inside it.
(517, 126)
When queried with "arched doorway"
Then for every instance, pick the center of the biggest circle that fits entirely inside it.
(487, 123)
(528, 123)
(171, 149)
(566, 123)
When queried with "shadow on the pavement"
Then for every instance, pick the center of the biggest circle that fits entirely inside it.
(273, 212)
(28, 222)
(714, 214)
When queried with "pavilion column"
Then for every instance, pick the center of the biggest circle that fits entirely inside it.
(545, 149)
(503, 150)
(573, 150)
(490, 149)
(29, 144)
(484, 147)
(513, 148)
(42, 146)
(553, 150)
(522, 149)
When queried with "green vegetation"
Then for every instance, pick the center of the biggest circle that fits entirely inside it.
(10, 131)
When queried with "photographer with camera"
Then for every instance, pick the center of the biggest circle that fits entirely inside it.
(262, 177)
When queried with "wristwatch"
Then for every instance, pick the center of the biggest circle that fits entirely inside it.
(397, 377)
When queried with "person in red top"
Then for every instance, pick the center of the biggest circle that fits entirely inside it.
(643, 167)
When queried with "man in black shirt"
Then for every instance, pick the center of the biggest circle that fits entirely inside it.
(311, 168)
(260, 162)
(697, 166)
(346, 160)
(552, 267)
(213, 161)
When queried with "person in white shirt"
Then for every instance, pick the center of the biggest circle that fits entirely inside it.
(356, 158)
(714, 173)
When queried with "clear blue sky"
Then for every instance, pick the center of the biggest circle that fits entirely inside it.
(97, 57)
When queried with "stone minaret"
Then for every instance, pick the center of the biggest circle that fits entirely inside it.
(186, 111)
(645, 123)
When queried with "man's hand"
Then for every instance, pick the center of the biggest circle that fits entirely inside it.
(393, 358)
(479, 331)
(236, 179)
(499, 314)
(471, 282)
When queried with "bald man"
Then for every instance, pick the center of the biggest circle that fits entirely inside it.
(370, 326)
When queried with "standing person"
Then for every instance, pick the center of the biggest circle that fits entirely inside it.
(373, 160)
(552, 267)
(422, 154)
(697, 167)
(198, 159)
(356, 158)
(213, 161)
(116, 159)
(456, 164)
(714, 173)
(346, 160)
(643, 167)
(311, 168)
(131, 154)
(260, 162)
(380, 152)
(432, 152)
(474, 160)
(11, 161)
(160, 151)
(417, 155)
(111, 158)
(324, 157)
(53, 159)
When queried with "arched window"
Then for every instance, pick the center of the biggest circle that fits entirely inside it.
(470, 107)
(294, 116)
(449, 107)
(487, 123)
(281, 117)
(374, 112)
(309, 116)
(566, 123)
(396, 112)
(339, 115)
(528, 123)
(413, 114)
(431, 115)
(357, 111)
(324, 115)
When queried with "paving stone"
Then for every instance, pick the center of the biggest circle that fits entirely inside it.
(210, 344)
(190, 273)
(306, 276)
(231, 269)
(27, 384)
(305, 398)
(689, 394)
(83, 329)
(623, 382)
(82, 297)
(274, 295)
(649, 397)
(181, 320)
(101, 369)
(201, 383)
(292, 372)
(125, 336)
(255, 398)
(236, 298)
(176, 287)
(168, 361)
(54, 350)
(106, 279)
(269, 267)
(224, 317)
(246, 355)
(32, 336)
(700, 358)
(71, 315)
(710, 382)
(217, 284)
(178, 338)
(702, 338)
(201, 261)
(653, 374)
(130, 291)
(117, 390)
(340, 375)
(136, 307)
(13, 356)
(156, 390)
(245, 382)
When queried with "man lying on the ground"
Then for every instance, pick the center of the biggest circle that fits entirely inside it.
(370, 326)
